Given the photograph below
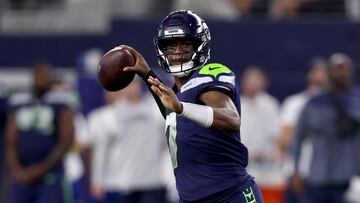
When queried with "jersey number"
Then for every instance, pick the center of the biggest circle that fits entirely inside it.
(39, 118)
(171, 137)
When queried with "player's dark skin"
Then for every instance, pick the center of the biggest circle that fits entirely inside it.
(226, 117)
(66, 134)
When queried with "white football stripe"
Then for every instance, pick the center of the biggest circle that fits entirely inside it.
(114, 49)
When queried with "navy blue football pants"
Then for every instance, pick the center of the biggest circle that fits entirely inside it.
(248, 193)
(52, 188)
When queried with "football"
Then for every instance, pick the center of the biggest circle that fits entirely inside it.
(110, 69)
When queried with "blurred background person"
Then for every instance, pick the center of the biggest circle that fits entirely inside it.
(323, 7)
(128, 148)
(225, 9)
(39, 132)
(284, 9)
(4, 179)
(259, 127)
(77, 159)
(317, 81)
(291, 9)
(331, 123)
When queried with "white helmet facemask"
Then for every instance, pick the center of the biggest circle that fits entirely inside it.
(182, 70)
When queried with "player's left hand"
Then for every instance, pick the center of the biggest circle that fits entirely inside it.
(29, 174)
(297, 183)
(167, 95)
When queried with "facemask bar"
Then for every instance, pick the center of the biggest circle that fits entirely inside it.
(185, 68)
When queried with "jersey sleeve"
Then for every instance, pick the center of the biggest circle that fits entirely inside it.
(62, 98)
(18, 99)
(216, 77)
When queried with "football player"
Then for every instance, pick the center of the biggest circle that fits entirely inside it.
(202, 114)
(39, 131)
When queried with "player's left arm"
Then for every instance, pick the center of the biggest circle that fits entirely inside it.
(66, 131)
(225, 115)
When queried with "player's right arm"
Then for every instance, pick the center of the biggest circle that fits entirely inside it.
(225, 116)
(143, 70)
(11, 142)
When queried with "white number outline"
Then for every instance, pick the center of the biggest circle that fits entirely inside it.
(172, 132)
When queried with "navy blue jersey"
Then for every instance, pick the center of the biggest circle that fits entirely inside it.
(3, 105)
(37, 124)
(208, 163)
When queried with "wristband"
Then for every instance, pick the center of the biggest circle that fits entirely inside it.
(150, 73)
(203, 115)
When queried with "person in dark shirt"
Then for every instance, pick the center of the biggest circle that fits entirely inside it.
(39, 131)
(202, 114)
(3, 172)
(330, 123)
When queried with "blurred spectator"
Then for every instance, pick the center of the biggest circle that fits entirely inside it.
(139, 8)
(226, 9)
(290, 9)
(284, 9)
(76, 160)
(39, 132)
(322, 7)
(33, 4)
(331, 123)
(215, 9)
(3, 172)
(251, 8)
(259, 108)
(127, 148)
(290, 111)
(293, 104)
(352, 8)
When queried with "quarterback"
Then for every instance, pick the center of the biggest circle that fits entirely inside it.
(202, 114)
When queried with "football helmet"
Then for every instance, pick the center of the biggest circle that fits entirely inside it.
(183, 24)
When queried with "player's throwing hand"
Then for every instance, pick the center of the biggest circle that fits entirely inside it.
(140, 67)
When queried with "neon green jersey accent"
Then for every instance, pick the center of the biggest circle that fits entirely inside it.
(249, 195)
(214, 69)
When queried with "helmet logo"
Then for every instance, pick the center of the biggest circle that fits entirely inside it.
(175, 31)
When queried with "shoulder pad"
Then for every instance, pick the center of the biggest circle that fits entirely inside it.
(3, 91)
(60, 97)
(214, 69)
(19, 98)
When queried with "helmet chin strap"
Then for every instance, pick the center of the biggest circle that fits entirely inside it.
(182, 70)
